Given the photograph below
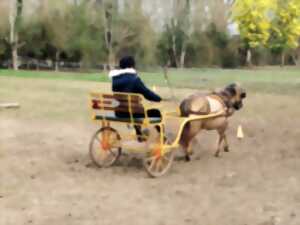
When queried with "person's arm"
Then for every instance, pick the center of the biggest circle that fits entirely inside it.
(146, 92)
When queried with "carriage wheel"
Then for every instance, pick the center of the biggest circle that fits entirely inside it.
(157, 162)
(105, 147)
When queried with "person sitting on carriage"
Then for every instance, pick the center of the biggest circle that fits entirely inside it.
(126, 79)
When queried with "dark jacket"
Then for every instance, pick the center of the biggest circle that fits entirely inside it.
(130, 82)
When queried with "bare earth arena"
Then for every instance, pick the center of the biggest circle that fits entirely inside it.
(46, 175)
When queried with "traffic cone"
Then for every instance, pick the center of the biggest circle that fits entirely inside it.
(240, 133)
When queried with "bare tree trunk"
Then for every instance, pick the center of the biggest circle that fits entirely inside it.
(296, 56)
(282, 59)
(182, 56)
(13, 35)
(57, 58)
(111, 58)
(76, 2)
(295, 59)
(219, 10)
(15, 60)
(108, 17)
(174, 49)
(181, 21)
(249, 58)
(16, 7)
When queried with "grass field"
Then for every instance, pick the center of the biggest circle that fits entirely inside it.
(264, 80)
(70, 90)
(46, 176)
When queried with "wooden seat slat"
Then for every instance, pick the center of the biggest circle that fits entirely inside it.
(127, 120)
(126, 104)
(124, 110)
(123, 107)
(121, 97)
(120, 104)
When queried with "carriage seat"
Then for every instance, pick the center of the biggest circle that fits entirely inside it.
(121, 107)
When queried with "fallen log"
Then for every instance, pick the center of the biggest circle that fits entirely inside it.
(14, 105)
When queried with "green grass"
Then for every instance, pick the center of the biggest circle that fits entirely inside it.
(56, 75)
(286, 80)
(64, 96)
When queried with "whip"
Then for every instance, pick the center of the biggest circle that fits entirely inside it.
(169, 85)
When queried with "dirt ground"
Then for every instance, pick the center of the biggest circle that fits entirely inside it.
(46, 176)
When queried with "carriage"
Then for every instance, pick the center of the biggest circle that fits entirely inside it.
(107, 142)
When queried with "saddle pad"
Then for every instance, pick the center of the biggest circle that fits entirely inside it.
(214, 104)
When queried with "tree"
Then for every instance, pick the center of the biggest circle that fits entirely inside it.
(136, 36)
(55, 16)
(110, 16)
(4, 26)
(253, 23)
(185, 23)
(87, 32)
(127, 31)
(4, 22)
(218, 11)
(15, 20)
(177, 33)
(296, 56)
(285, 29)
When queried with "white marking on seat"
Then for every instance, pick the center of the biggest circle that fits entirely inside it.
(115, 103)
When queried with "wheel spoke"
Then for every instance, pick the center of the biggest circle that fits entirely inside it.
(153, 162)
(112, 152)
(102, 151)
(97, 138)
(113, 137)
(164, 162)
(159, 165)
(99, 146)
(165, 158)
(150, 158)
(112, 143)
(103, 155)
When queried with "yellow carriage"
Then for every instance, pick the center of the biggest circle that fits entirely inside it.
(107, 143)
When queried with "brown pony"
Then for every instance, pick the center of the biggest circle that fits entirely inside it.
(228, 100)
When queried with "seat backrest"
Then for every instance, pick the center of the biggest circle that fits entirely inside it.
(118, 102)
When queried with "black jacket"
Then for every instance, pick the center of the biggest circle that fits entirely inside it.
(130, 82)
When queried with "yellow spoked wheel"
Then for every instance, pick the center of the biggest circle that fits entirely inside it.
(158, 161)
(105, 147)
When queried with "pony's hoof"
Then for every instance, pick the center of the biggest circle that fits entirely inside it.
(226, 149)
(187, 158)
(191, 152)
(217, 154)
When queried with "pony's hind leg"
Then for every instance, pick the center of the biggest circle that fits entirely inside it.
(189, 133)
(222, 137)
(217, 154)
(185, 143)
(226, 146)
